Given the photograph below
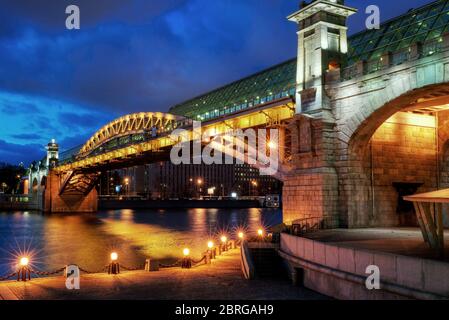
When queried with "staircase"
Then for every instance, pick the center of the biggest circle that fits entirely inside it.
(267, 263)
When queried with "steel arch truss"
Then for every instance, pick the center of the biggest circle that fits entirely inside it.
(152, 122)
(74, 183)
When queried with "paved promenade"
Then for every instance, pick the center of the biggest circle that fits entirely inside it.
(401, 241)
(220, 280)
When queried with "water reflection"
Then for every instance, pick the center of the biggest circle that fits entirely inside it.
(88, 239)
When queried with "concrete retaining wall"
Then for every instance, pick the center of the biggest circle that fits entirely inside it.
(339, 271)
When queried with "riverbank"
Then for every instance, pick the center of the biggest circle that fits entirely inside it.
(112, 204)
(220, 280)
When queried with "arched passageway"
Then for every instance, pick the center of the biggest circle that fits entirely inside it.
(35, 187)
(400, 149)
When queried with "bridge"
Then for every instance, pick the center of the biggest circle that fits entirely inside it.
(362, 120)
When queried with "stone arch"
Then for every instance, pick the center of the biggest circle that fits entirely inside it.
(359, 201)
(35, 187)
(43, 182)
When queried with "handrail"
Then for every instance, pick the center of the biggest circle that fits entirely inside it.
(247, 262)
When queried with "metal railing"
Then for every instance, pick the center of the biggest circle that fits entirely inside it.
(306, 225)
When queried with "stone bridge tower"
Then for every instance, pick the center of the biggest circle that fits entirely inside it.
(311, 188)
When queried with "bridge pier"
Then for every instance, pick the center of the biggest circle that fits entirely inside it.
(73, 203)
(311, 189)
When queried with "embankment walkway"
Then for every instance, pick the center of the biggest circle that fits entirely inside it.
(220, 280)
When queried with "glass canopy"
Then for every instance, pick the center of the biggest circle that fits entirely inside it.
(425, 24)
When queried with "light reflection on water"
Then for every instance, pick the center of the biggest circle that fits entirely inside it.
(87, 239)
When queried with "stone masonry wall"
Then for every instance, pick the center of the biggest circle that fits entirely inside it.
(311, 190)
(67, 203)
(402, 150)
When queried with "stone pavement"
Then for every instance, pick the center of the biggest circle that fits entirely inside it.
(221, 280)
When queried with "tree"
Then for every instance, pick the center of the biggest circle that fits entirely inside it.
(10, 178)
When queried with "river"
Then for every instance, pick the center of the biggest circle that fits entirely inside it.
(53, 241)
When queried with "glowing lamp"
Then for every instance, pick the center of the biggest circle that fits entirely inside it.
(240, 235)
(24, 261)
(186, 252)
(210, 244)
(224, 239)
(272, 145)
(114, 256)
(260, 232)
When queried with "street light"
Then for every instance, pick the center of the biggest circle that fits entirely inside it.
(272, 145)
(199, 182)
(127, 185)
(254, 189)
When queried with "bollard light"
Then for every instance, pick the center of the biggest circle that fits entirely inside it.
(186, 261)
(114, 256)
(114, 266)
(24, 261)
(24, 273)
(210, 244)
(224, 241)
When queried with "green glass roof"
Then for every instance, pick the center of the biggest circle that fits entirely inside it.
(425, 24)
(268, 85)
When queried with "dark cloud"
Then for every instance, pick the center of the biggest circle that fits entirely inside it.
(16, 153)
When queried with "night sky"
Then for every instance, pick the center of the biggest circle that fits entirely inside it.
(131, 56)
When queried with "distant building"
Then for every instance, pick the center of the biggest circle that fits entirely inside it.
(164, 181)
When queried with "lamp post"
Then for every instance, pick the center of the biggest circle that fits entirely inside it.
(210, 250)
(260, 233)
(127, 186)
(254, 189)
(24, 272)
(241, 236)
(186, 261)
(114, 266)
(199, 182)
(224, 241)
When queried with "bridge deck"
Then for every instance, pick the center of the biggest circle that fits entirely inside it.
(220, 280)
